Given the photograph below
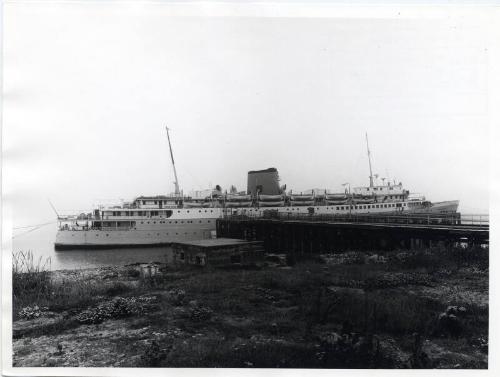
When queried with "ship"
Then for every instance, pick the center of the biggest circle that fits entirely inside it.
(165, 219)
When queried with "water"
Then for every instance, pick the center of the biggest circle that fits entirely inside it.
(41, 243)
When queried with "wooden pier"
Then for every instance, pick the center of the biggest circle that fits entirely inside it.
(323, 234)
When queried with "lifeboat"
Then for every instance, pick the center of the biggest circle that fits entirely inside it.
(337, 202)
(300, 198)
(279, 203)
(336, 197)
(237, 198)
(238, 204)
(196, 204)
(363, 201)
(295, 203)
(270, 198)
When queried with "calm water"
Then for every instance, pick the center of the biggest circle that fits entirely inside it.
(41, 243)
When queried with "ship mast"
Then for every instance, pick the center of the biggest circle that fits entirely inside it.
(369, 160)
(176, 183)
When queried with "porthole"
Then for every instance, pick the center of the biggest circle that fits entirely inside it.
(154, 222)
(107, 235)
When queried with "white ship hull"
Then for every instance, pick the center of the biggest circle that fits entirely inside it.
(189, 224)
(183, 225)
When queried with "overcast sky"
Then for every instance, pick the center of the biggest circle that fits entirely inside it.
(89, 89)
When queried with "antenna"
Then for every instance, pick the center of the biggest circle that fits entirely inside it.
(369, 160)
(176, 183)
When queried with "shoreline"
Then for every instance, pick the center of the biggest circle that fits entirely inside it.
(345, 310)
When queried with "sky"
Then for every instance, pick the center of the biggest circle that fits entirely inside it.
(90, 87)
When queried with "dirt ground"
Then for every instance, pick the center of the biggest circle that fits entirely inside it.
(349, 310)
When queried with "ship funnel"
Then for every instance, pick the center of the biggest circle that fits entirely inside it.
(264, 182)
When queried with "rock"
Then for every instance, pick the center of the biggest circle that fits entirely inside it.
(51, 362)
(176, 296)
(180, 313)
(449, 324)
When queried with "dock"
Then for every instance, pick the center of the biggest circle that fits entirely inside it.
(323, 234)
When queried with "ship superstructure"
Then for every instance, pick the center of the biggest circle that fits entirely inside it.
(160, 220)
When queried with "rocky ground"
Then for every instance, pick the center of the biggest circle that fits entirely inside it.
(344, 310)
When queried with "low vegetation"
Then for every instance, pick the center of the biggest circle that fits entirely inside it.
(406, 309)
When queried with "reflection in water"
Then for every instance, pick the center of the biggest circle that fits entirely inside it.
(41, 243)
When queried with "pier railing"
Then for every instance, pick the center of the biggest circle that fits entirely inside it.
(454, 219)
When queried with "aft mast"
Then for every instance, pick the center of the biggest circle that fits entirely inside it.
(176, 183)
(369, 160)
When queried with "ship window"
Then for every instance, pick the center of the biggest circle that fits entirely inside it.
(147, 222)
(157, 234)
(154, 222)
(200, 221)
(208, 220)
(155, 202)
(144, 202)
(199, 210)
(107, 235)
(176, 222)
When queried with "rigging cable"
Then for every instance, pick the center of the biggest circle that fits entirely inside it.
(32, 229)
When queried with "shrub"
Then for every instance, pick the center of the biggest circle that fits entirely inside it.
(119, 307)
(31, 280)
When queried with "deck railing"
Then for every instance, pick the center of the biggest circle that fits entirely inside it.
(455, 219)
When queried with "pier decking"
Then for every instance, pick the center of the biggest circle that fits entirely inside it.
(316, 234)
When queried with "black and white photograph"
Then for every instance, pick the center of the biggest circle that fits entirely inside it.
(247, 185)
